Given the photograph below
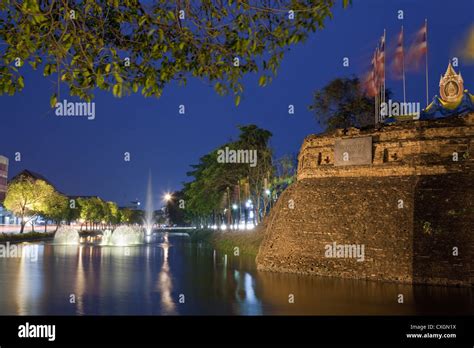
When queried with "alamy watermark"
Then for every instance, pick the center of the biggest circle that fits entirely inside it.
(37, 331)
(83, 109)
(228, 155)
(30, 251)
(393, 108)
(355, 251)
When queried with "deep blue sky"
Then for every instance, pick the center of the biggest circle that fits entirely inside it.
(86, 157)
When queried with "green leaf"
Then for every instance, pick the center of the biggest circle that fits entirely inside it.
(161, 33)
(21, 82)
(47, 70)
(294, 39)
(149, 82)
(142, 20)
(100, 80)
(107, 68)
(262, 81)
(218, 87)
(117, 90)
(53, 100)
(117, 76)
(237, 100)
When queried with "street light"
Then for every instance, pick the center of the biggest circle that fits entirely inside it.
(167, 197)
(235, 206)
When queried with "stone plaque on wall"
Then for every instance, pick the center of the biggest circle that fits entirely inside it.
(354, 151)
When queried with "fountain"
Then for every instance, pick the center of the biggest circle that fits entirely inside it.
(149, 220)
(106, 235)
(131, 235)
(66, 235)
(124, 235)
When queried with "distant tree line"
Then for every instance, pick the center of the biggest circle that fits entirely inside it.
(29, 198)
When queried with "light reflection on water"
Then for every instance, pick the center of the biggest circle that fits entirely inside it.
(90, 279)
(164, 282)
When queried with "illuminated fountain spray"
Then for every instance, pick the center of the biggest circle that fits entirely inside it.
(106, 237)
(123, 236)
(126, 235)
(149, 220)
(66, 235)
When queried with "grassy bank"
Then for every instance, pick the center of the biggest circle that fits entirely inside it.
(25, 237)
(248, 242)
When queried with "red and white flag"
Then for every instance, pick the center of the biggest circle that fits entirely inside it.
(371, 80)
(397, 65)
(381, 60)
(369, 84)
(418, 49)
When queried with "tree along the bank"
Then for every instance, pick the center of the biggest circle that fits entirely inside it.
(284, 174)
(56, 209)
(125, 215)
(218, 186)
(113, 214)
(27, 198)
(175, 209)
(127, 46)
(95, 213)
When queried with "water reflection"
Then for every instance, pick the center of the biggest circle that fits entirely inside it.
(148, 279)
(29, 286)
(245, 298)
(80, 283)
(165, 285)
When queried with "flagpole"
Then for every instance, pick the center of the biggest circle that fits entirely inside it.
(403, 67)
(376, 108)
(384, 59)
(381, 102)
(426, 56)
(376, 82)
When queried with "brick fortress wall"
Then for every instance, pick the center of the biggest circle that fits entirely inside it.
(412, 207)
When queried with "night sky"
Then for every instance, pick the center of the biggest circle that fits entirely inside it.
(85, 157)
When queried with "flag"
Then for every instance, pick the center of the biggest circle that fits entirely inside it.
(418, 49)
(371, 79)
(381, 61)
(397, 65)
(367, 84)
(375, 68)
(466, 48)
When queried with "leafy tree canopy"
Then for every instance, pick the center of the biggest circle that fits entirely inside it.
(211, 179)
(342, 104)
(56, 208)
(127, 46)
(27, 197)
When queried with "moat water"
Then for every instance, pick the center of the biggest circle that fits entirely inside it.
(172, 276)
